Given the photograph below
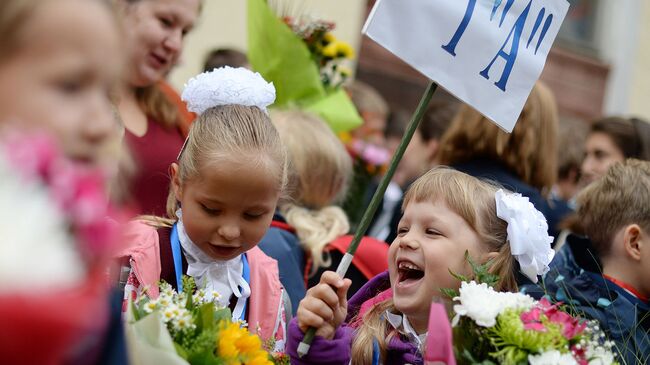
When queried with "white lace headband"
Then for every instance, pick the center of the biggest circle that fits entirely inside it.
(227, 86)
(528, 235)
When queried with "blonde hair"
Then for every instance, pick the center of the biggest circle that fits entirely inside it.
(529, 151)
(320, 169)
(617, 199)
(228, 132)
(473, 200)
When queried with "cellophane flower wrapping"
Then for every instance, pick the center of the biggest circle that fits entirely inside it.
(181, 329)
(278, 51)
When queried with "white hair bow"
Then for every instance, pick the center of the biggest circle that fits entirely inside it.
(528, 235)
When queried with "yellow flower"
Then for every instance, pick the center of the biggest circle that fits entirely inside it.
(248, 344)
(345, 71)
(260, 358)
(238, 346)
(331, 50)
(228, 336)
(328, 38)
(345, 137)
(344, 49)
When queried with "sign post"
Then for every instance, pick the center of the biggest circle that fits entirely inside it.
(489, 53)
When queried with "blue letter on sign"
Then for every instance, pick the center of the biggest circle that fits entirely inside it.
(451, 46)
(512, 56)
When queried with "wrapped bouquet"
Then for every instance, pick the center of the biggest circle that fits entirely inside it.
(181, 328)
(56, 238)
(493, 327)
(302, 58)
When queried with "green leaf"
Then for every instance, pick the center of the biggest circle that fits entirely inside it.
(450, 293)
(458, 276)
(181, 351)
(206, 317)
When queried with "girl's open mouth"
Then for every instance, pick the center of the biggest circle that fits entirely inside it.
(408, 273)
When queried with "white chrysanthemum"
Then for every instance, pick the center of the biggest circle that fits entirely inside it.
(553, 357)
(227, 86)
(599, 355)
(483, 304)
(37, 252)
(528, 235)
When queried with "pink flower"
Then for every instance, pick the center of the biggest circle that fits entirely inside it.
(371, 153)
(532, 320)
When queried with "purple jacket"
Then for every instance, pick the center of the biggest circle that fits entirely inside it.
(338, 350)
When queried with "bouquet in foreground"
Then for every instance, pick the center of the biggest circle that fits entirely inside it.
(56, 239)
(493, 327)
(181, 328)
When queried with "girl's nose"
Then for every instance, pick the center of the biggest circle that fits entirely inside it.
(408, 241)
(229, 232)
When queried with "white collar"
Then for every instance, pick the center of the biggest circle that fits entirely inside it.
(401, 323)
(223, 278)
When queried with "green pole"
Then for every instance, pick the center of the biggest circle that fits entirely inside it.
(303, 347)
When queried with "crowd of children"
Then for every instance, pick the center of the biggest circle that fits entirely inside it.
(210, 183)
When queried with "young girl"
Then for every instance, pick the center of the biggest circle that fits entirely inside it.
(225, 187)
(57, 70)
(58, 64)
(446, 213)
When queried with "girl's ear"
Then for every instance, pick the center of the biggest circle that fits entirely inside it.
(633, 241)
(490, 256)
(176, 181)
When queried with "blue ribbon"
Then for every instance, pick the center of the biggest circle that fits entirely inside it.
(178, 259)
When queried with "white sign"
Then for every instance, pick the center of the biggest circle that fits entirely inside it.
(488, 53)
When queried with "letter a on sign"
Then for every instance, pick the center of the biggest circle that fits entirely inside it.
(489, 53)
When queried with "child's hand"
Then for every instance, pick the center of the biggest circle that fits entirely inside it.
(325, 306)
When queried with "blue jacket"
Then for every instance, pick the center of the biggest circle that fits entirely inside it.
(284, 247)
(624, 318)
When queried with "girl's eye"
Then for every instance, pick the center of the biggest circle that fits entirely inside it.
(70, 86)
(402, 231)
(208, 210)
(253, 216)
(166, 22)
(432, 232)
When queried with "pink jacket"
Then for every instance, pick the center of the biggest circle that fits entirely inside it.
(266, 306)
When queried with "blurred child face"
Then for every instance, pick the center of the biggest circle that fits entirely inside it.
(600, 153)
(60, 77)
(229, 206)
(431, 240)
(416, 160)
(155, 31)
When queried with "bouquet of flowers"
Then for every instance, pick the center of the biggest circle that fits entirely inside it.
(56, 240)
(493, 327)
(182, 328)
(326, 50)
(302, 59)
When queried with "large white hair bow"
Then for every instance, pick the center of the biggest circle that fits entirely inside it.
(227, 86)
(530, 243)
